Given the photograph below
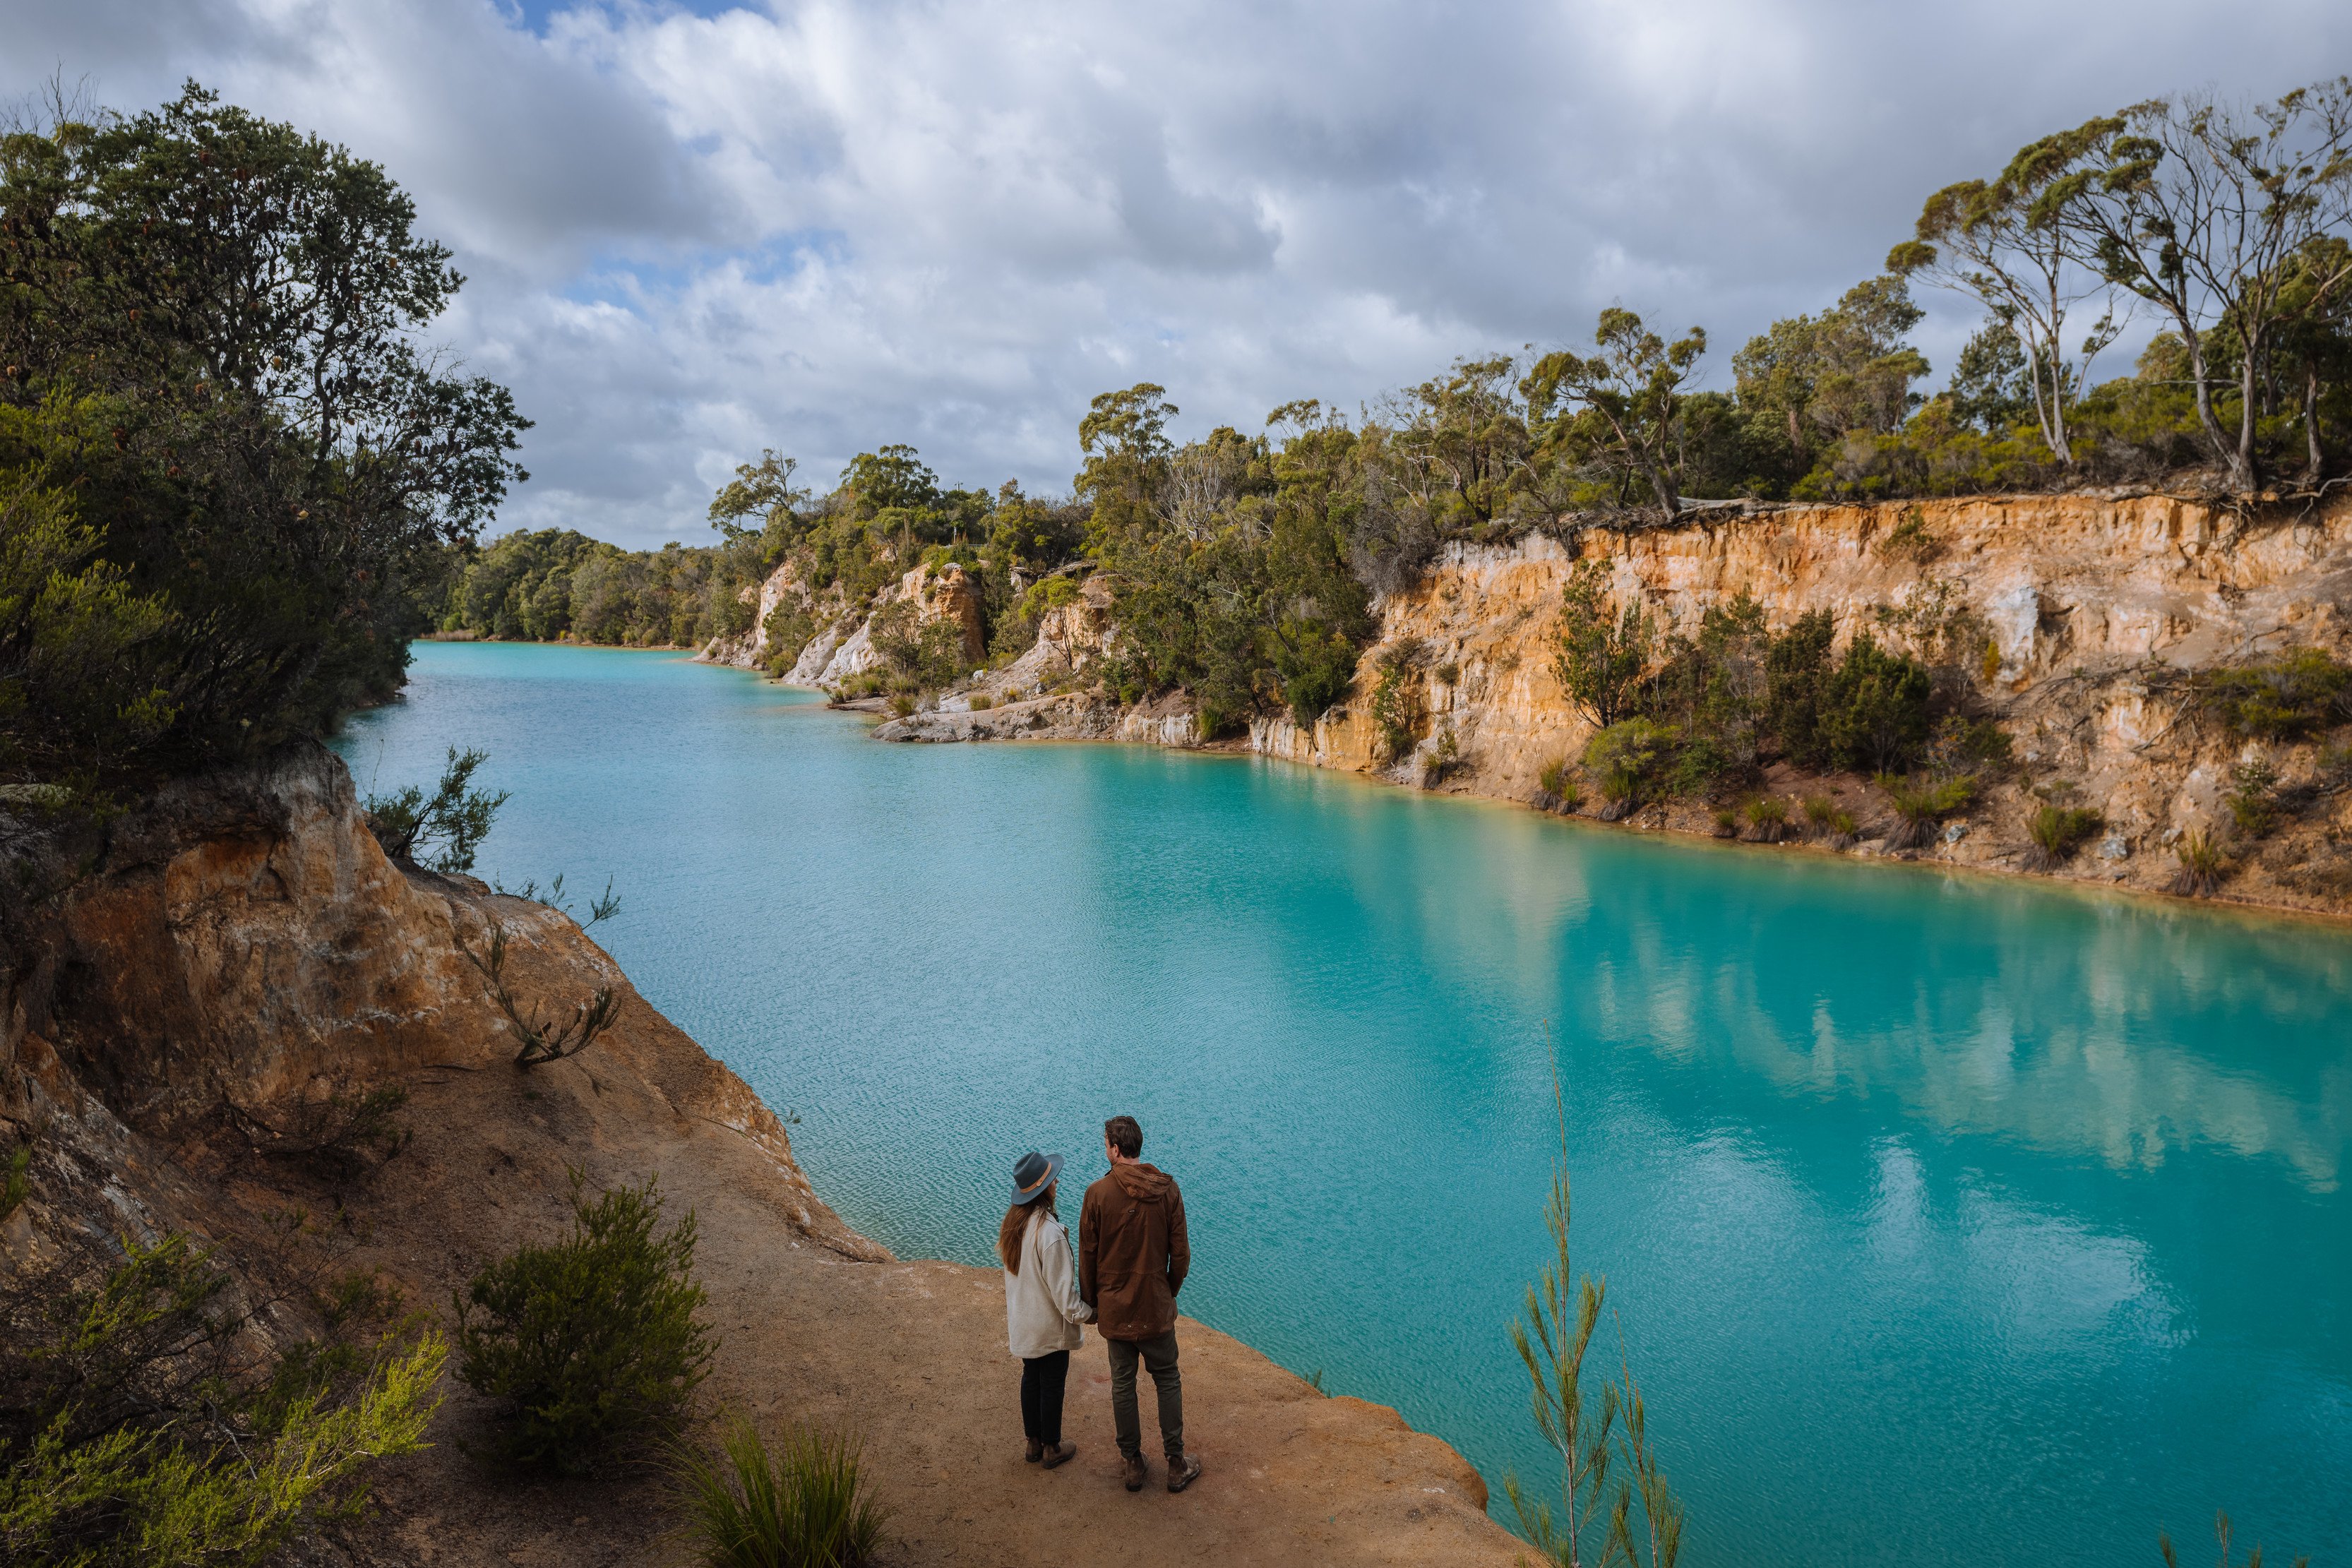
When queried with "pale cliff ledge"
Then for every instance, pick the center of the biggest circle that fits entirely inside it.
(2094, 607)
(240, 947)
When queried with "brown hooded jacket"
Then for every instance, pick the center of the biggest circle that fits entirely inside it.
(1132, 1255)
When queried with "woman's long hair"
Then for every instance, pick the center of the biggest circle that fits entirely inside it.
(1009, 1235)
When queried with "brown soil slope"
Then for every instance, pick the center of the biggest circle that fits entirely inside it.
(243, 949)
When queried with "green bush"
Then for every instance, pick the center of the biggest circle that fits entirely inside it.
(443, 832)
(1396, 700)
(593, 1341)
(2252, 798)
(1873, 708)
(790, 628)
(133, 1432)
(1553, 777)
(803, 1505)
(2057, 832)
(1797, 665)
(1727, 823)
(1820, 811)
(2289, 697)
(1629, 759)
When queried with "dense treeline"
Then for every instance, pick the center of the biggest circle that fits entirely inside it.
(1244, 563)
(234, 485)
(555, 585)
(227, 467)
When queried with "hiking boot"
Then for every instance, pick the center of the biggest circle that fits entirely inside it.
(1061, 1454)
(1036, 1452)
(1182, 1471)
(1132, 1471)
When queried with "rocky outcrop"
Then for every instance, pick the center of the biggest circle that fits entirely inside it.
(183, 989)
(2072, 618)
(238, 953)
(843, 645)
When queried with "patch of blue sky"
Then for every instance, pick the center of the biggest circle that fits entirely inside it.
(532, 14)
(622, 279)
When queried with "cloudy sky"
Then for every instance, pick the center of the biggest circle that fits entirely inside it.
(694, 231)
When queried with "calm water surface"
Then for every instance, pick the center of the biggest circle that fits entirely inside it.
(1950, 1221)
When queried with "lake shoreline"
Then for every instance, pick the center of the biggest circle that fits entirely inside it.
(942, 955)
(1652, 822)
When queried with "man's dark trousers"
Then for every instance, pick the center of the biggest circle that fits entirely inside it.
(1158, 1358)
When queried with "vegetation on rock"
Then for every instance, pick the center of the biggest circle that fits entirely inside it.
(142, 1425)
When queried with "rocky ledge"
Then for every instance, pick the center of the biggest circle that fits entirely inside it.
(182, 989)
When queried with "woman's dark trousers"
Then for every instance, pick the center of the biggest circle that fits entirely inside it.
(1043, 1378)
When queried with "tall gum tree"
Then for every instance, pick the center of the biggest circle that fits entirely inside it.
(2201, 210)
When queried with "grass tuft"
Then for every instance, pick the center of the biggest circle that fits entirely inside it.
(802, 1504)
(2057, 832)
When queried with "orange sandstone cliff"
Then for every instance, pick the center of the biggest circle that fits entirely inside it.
(2074, 621)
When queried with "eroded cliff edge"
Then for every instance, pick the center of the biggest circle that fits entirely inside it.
(182, 989)
(2077, 621)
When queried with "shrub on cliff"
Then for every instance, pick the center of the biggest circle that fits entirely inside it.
(2254, 798)
(440, 832)
(1397, 708)
(590, 1343)
(2057, 832)
(1921, 805)
(1796, 664)
(1629, 760)
(137, 1428)
(1712, 688)
(1602, 648)
(1873, 708)
(2204, 864)
(2292, 695)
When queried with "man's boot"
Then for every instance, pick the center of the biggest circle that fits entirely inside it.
(1182, 1471)
(1133, 1471)
(1036, 1452)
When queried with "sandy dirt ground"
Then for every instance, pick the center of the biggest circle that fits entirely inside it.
(818, 1325)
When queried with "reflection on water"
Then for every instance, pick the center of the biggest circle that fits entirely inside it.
(1950, 1220)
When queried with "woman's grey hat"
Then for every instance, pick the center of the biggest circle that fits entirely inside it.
(1032, 1173)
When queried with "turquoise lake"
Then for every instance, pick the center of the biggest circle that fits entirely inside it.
(1950, 1219)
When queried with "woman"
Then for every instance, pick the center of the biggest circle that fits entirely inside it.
(1041, 1309)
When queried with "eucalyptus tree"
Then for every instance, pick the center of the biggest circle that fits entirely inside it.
(1458, 445)
(1808, 381)
(1622, 406)
(2204, 210)
(2006, 242)
(763, 490)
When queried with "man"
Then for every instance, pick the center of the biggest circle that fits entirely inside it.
(1131, 1263)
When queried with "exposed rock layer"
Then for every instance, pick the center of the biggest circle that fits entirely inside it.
(2071, 620)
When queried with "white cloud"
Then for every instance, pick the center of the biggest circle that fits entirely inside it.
(821, 226)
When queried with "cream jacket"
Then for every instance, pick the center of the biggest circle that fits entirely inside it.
(1042, 1310)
